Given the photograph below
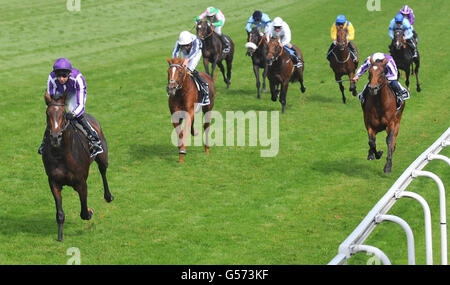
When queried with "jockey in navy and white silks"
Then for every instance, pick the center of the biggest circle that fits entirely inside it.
(279, 28)
(190, 47)
(391, 72)
(400, 22)
(66, 79)
(259, 19)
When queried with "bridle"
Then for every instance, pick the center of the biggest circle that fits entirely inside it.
(275, 57)
(67, 121)
(208, 24)
(377, 88)
(183, 71)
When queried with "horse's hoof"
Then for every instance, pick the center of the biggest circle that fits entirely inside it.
(207, 150)
(419, 89)
(370, 157)
(387, 170)
(109, 199)
(379, 154)
(274, 99)
(303, 89)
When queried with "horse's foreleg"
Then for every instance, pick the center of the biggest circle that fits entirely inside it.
(264, 75)
(391, 145)
(341, 87)
(407, 77)
(273, 90)
(373, 153)
(258, 83)
(102, 166)
(416, 71)
(283, 93)
(85, 214)
(206, 65)
(229, 61)
(60, 216)
(222, 69)
(352, 84)
(300, 79)
(206, 128)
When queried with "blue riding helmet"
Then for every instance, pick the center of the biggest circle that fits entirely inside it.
(398, 18)
(257, 15)
(341, 19)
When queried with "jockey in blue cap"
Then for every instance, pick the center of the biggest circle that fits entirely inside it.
(400, 22)
(66, 79)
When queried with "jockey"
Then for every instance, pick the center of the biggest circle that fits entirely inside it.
(190, 47)
(279, 28)
(408, 13)
(347, 25)
(391, 74)
(400, 22)
(259, 19)
(216, 17)
(65, 78)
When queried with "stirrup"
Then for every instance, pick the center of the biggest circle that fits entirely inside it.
(41, 149)
(96, 149)
(226, 50)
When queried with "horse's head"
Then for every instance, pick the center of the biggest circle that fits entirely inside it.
(56, 118)
(377, 76)
(254, 39)
(204, 29)
(399, 40)
(341, 38)
(274, 50)
(176, 74)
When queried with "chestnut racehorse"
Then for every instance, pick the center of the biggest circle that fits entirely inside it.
(183, 100)
(212, 50)
(66, 158)
(282, 71)
(257, 49)
(380, 112)
(341, 62)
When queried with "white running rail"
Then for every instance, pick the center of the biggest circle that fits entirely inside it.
(354, 242)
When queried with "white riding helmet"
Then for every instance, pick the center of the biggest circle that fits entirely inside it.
(378, 56)
(185, 38)
(277, 22)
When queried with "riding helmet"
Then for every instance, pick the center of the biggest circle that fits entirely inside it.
(340, 19)
(399, 18)
(257, 15)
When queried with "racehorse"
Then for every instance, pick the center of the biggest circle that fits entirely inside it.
(183, 98)
(341, 62)
(282, 70)
(403, 57)
(67, 160)
(380, 112)
(257, 49)
(212, 50)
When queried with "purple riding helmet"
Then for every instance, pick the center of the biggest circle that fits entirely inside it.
(62, 64)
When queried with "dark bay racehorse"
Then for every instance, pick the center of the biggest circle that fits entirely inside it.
(67, 159)
(403, 57)
(257, 49)
(281, 70)
(341, 62)
(380, 113)
(183, 97)
(212, 50)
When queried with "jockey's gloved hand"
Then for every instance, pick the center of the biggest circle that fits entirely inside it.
(70, 116)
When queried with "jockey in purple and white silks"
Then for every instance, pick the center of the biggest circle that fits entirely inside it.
(217, 18)
(190, 47)
(279, 28)
(66, 79)
(391, 72)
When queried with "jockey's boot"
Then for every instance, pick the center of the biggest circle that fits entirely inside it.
(41, 148)
(413, 47)
(332, 46)
(296, 59)
(225, 43)
(204, 89)
(398, 92)
(353, 52)
(95, 145)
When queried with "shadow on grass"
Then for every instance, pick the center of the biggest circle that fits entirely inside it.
(352, 167)
(36, 225)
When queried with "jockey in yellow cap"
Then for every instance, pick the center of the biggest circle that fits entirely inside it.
(347, 25)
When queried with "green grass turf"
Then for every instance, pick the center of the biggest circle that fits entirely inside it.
(231, 207)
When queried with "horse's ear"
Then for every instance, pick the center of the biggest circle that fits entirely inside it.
(371, 60)
(384, 61)
(169, 60)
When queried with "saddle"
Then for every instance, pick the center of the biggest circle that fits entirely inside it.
(202, 88)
